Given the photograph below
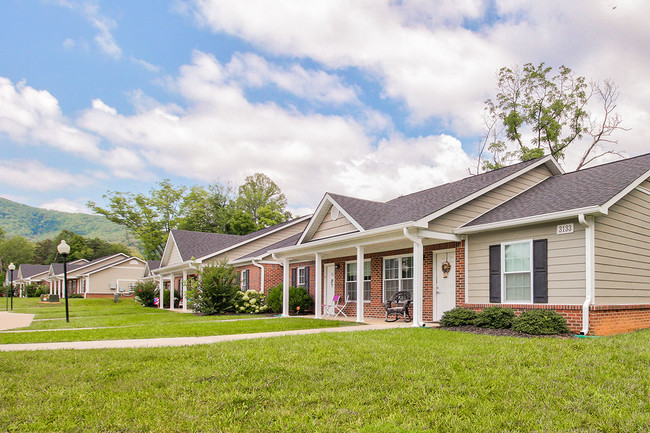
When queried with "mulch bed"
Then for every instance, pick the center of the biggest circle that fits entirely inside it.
(502, 332)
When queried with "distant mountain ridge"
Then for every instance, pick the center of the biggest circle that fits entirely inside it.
(37, 224)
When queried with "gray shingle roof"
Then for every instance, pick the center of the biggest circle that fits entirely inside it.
(593, 186)
(27, 270)
(412, 207)
(199, 244)
(153, 264)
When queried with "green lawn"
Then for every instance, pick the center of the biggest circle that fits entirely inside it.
(397, 380)
(128, 320)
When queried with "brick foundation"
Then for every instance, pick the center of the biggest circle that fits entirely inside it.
(106, 295)
(603, 319)
(618, 319)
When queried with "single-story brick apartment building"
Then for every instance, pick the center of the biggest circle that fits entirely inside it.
(525, 236)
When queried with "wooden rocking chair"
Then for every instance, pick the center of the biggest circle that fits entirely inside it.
(398, 306)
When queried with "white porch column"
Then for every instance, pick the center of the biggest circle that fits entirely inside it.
(286, 281)
(418, 278)
(184, 288)
(360, 284)
(161, 285)
(319, 286)
(171, 293)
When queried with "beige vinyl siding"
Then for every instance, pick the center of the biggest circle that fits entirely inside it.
(124, 274)
(329, 227)
(174, 256)
(623, 251)
(566, 261)
(95, 266)
(484, 203)
(265, 241)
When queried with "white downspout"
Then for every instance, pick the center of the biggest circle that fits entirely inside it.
(418, 267)
(588, 224)
(262, 273)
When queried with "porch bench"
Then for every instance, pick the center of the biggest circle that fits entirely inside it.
(398, 306)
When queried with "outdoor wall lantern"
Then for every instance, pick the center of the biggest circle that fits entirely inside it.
(64, 250)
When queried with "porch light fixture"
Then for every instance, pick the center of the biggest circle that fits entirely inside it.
(11, 268)
(64, 250)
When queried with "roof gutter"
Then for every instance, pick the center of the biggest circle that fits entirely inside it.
(598, 210)
(262, 277)
(588, 223)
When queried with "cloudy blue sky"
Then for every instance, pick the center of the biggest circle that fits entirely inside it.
(368, 98)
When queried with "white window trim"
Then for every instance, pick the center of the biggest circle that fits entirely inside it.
(242, 279)
(383, 272)
(503, 272)
(345, 279)
(304, 277)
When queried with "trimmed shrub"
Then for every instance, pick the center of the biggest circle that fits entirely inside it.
(177, 298)
(299, 300)
(458, 317)
(76, 296)
(249, 301)
(35, 290)
(214, 291)
(146, 292)
(541, 322)
(495, 317)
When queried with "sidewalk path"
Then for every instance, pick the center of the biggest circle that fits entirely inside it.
(187, 341)
(14, 320)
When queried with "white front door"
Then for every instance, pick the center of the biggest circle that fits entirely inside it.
(445, 285)
(328, 285)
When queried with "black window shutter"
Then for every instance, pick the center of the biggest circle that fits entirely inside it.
(307, 279)
(495, 273)
(540, 271)
(247, 278)
(294, 277)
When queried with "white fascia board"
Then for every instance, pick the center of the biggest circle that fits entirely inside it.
(232, 247)
(343, 241)
(319, 215)
(428, 234)
(638, 181)
(110, 265)
(536, 219)
(187, 265)
(554, 168)
(171, 242)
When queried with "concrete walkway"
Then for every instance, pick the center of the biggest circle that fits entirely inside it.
(14, 320)
(190, 341)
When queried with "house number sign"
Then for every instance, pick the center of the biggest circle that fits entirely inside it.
(563, 229)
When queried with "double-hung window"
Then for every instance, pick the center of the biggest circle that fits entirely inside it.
(245, 274)
(517, 270)
(301, 277)
(351, 281)
(398, 275)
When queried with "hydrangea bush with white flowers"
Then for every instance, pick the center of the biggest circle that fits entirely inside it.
(250, 301)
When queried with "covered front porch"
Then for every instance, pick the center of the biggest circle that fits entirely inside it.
(429, 265)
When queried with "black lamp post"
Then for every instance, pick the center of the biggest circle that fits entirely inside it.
(64, 250)
(12, 268)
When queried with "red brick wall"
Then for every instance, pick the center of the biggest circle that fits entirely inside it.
(572, 313)
(603, 319)
(375, 308)
(617, 319)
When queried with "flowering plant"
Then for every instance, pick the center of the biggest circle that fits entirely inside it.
(250, 301)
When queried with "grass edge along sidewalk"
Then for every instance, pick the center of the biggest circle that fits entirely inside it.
(129, 321)
(184, 341)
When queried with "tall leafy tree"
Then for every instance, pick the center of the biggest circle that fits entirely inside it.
(149, 217)
(16, 250)
(261, 198)
(207, 209)
(537, 112)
